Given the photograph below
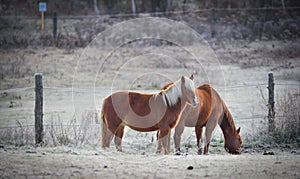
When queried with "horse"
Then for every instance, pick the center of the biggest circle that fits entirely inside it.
(210, 111)
(146, 112)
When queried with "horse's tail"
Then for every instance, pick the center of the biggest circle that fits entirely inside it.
(103, 129)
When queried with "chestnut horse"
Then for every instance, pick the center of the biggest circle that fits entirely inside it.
(146, 112)
(210, 111)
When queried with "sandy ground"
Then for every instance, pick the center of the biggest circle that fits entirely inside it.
(63, 162)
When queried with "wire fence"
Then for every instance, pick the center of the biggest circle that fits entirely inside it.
(81, 90)
(160, 13)
(106, 91)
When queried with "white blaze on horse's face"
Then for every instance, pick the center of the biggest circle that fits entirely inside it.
(195, 101)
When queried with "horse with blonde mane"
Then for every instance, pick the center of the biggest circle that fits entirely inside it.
(210, 111)
(146, 112)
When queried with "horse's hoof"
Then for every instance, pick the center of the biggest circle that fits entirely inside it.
(178, 153)
(199, 151)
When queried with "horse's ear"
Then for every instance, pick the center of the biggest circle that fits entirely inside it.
(182, 79)
(192, 77)
(238, 130)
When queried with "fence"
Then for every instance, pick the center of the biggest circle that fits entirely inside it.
(38, 108)
(78, 31)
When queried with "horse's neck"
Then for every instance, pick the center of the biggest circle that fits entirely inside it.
(227, 125)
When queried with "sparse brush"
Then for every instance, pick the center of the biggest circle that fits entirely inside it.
(18, 136)
(75, 132)
(58, 131)
(287, 119)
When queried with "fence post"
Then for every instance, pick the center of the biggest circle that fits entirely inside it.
(38, 110)
(54, 28)
(54, 24)
(271, 113)
(212, 22)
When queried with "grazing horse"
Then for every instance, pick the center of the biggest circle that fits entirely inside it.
(146, 112)
(210, 111)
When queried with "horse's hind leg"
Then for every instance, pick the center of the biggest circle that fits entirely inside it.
(159, 146)
(118, 137)
(163, 138)
(198, 130)
(108, 138)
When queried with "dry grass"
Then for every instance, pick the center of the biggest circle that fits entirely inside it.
(287, 122)
(76, 132)
(18, 136)
(85, 131)
(287, 119)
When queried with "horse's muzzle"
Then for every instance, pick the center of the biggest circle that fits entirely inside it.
(235, 152)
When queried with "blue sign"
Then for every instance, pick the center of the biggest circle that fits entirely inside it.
(43, 6)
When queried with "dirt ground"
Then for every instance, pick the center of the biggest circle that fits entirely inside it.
(138, 160)
(64, 162)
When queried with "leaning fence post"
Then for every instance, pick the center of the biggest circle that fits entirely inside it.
(271, 113)
(38, 110)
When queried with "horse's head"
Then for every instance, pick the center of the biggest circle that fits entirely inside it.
(188, 90)
(233, 144)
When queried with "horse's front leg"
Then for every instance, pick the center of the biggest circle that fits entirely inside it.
(209, 127)
(168, 148)
(198, 130)
(177, 135)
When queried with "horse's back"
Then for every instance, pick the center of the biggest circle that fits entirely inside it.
(124, 101)
(210, 107)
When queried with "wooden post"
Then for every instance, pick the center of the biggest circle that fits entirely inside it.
(42, 21)
(54, 24)
(271, 113)
(38, 110)
(212, 22)
(54, 28)
(42, 9)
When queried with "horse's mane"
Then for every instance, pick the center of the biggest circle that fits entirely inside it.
(228, 116)
(226, 112)
(172, 91)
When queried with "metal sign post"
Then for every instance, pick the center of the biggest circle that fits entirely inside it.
(42, 8)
